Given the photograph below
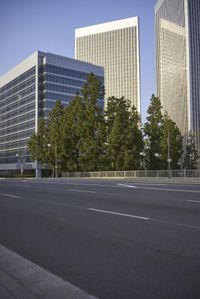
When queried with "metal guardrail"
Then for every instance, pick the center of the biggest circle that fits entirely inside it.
(135, 174)
(117, 174)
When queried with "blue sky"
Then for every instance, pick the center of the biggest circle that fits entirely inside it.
(46, 25)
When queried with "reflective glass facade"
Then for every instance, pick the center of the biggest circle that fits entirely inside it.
(17, 116)
(178, 62)
(194, 66)
(62, 84)
(115, 46)
(29, 93)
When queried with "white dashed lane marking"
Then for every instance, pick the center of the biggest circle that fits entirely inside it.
(10, 195)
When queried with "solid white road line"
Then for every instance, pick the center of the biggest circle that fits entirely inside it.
(158, 189)
(198, 201)
(10, 195)
(150, 219)
(84, 191)
(87, 184)
(176, 224)
(118, 214)
(171, 190)
(121, 186)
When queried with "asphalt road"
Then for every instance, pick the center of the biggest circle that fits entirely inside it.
(113, 239)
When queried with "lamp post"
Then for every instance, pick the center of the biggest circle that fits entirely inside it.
(21, 164)
(169, 160)
(142, 157)
(56, 158)
(49, 160)
(56, 162)
(48, 145)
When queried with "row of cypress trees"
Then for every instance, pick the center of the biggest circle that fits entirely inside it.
(84, 137)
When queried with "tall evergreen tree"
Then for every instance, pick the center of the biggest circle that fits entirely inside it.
(153, 132)
(117, 115)
(92, 143)
(171, 144)
(163, 139)
(72, 134)
(123, 135)
(38, 145)
(55, 141)
(134, 142)
(191, 154)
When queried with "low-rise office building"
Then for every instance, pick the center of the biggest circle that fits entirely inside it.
(29, 91)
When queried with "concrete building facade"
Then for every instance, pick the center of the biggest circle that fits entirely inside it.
(114, 46)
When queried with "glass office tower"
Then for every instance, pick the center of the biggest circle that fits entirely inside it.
(178, 62)
(29, 91)
(114, 46)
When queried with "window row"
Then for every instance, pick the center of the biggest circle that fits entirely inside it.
(65, 72)
(16, 144)
(15, 106)
(19, 87)
(54, 96)
(19, 117)
(51, 104)
(63, 80)
(17, 129)
(10, 155)
(18, 80)
(13, 114)
(14, 160)
(9, 144)
(11, 126)
(63, 89)
(25, 134)
(18, 96)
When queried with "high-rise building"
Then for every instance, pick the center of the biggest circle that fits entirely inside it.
(114, 46)
(178, 62)
(29, 91)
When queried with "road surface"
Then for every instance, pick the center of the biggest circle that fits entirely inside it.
(111, 238)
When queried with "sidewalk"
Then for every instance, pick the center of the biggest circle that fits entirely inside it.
(22, 279)
(4, 294)
(11, 288)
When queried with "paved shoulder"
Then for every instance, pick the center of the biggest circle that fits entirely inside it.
(22, 279)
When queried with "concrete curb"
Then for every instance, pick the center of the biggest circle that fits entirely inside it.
(150, 180)
(26, 280)
(174, 180)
